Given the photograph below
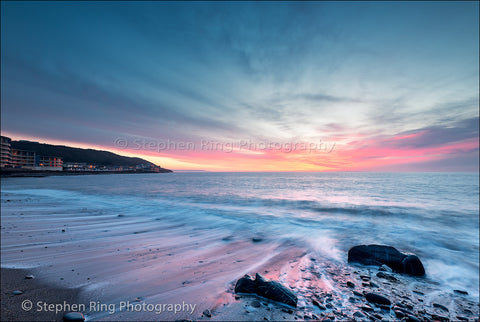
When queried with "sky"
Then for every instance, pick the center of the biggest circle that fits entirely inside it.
(248, 86)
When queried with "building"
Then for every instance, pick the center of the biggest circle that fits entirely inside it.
(23, 159)
(48, 163)
(12, 158)
(6, 152)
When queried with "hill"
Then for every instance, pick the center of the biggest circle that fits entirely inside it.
(69, 154)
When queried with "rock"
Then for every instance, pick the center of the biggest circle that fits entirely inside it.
(73, 317)
(17, 292)
(411, 318)
(350, 284)
(257, 239)
(245, 285)
(399, 314)
(275, 291)
(413, 266)
(329, 305)
(385, 268)
(378, 299)
(386, 276)
(320, 306)
(269, 289)
(207, 313)
(460, 292)
(256, 304)
(359, 314)
(440, 306)
(357, 293)
(386, 255)
(29, 277)
(367, 308)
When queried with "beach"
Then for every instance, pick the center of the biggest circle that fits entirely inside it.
(171, 247)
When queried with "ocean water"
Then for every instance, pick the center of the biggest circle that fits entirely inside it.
(434, 215)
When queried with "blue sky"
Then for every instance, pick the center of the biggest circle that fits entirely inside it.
(358, 74)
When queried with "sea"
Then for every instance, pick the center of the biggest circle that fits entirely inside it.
(433, 215)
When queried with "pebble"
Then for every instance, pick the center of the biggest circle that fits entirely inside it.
(320, 306)
(411, 318)
(359, 314)
(379, 299)
(440, 306)
(367, 308)
(385, 268)
(207, 313)
(17, 292)
(73, 317)
(460, 292)
(350, 284)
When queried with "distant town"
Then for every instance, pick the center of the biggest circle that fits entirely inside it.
(15, 160)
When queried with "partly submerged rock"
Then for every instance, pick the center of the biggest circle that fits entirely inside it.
(245, 285)
(269, 289)
(387, 255)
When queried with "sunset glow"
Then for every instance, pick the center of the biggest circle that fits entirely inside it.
(280, 87)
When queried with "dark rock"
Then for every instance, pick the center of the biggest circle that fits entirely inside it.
(29, 277)
(350, 284)
(257, 239)
(329, 305)
(387, 276)
(411, 318)
(462, 318)
(357, 293)
(384, 307)
(461, 292)
(367, 308)
(275, 291)
(269, 289)
(359, 314)
(399, 314)
(372, 284)
(256, 304)
(378, 299)
(385, 268)
(387, 255)
(74, 317)
(440, 306)
(320, 306)
(246, 285)
(413, 266)
(17, 292)
(207, 313)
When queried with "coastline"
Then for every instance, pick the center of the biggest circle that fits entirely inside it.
(40, 173)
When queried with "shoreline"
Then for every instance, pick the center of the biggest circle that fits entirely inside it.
(41, 173)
